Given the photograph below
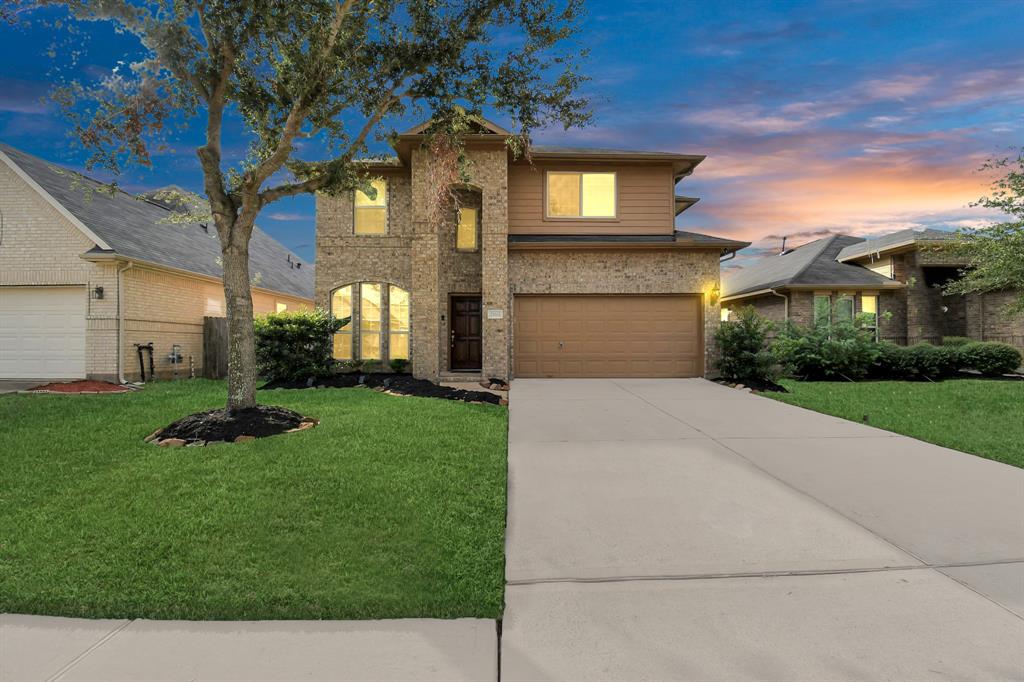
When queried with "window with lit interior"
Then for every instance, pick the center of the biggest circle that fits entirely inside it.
(467, 229)
(377, 312)
(580, 195)
(371, 215)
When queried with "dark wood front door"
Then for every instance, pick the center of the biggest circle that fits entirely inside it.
(466, 337)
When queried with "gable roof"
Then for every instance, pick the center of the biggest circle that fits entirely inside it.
(889, 242)
(812, 264)
(137, 228)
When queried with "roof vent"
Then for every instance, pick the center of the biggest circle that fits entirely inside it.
(783, 251)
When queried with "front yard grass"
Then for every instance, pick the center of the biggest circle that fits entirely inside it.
(985, 418)
(392, 507)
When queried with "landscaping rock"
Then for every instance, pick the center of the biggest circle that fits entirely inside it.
(171, 443)
(151, 437)
(245, 438)
(503, 401)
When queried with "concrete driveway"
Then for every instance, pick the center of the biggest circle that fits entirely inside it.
(678, 529)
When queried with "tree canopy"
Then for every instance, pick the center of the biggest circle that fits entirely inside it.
(311, 84)
(994, 255)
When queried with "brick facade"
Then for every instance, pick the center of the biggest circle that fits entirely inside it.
(41, 247)
(919, 312)
(422, 258)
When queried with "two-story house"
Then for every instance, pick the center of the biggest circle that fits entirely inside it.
(896, 279)
(566, 264)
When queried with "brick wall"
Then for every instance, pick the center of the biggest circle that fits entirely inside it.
(42, 247)
(622, 272)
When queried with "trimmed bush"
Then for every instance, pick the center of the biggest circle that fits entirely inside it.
(743, 344)
(955, 341)
(292, 346)
(922, 361)
(990, 358)
(840, 351)
(400, 366)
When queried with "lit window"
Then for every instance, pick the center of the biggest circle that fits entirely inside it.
(398, 323)
(580, 195)
(371, 215)
(466, 231)
(341, 308)
(725, 314)
(844, 309)
(369, 321)
(869, 312)
(822, 311)
(280, 307)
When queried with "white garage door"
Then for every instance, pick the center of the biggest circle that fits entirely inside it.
(42, 332)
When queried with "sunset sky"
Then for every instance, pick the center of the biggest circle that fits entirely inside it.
(860, 117)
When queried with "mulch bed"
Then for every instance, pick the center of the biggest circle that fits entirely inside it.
(219, 426)
(757, 386)
(401, 384)
(84, 386)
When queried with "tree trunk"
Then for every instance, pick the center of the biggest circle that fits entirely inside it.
(241, 335)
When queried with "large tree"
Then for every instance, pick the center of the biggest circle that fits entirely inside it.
(994, 255)
(328, 71)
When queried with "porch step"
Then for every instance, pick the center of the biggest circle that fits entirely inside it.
(461, 377)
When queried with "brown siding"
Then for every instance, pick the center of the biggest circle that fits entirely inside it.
(645, 200)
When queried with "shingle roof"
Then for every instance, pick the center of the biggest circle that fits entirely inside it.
(813, 263)
(901, 238)
(138, 228)
(590, 151)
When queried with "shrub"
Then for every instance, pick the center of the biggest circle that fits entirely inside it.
(292, 346)
(743, 344)
(839, 351)
(372, 366)
(923, 361)
(990, 358)
(955, 341)
(400, 366)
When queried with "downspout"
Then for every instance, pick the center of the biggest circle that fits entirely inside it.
(784, 298)
(120, 321)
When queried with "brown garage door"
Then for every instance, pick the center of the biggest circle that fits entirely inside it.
(608, 336)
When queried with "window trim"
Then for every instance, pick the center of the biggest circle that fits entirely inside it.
(476, 232)
(386, 208)
(814, 310)
(354, 331)
(606, 219)
(878, 312)
(844, 296)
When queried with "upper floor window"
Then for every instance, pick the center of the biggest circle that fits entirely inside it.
(467, 230)
(371, 215)
(580, 195)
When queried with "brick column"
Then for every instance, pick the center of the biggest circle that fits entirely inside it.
(425, 297)
(492, 175)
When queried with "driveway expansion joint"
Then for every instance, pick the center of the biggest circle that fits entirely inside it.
(82, 656)
(756, 574)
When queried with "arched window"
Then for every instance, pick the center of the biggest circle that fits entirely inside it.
(379, 327)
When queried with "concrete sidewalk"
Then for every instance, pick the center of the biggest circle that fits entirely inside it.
(678, 529)
(71, 649)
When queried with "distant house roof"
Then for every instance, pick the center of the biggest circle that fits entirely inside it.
(889, 242)
(137, 228)
(813, 264)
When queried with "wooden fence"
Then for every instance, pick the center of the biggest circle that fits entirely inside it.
(215, 347)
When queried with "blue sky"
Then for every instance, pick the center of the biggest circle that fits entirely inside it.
(858, 116)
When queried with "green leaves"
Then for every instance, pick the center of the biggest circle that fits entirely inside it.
(994, 256)
(293, 346)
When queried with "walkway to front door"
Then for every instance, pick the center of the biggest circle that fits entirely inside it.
(467, 339)
(677, 529)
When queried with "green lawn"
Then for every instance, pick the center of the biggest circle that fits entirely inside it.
(985, 418)
(392, 507)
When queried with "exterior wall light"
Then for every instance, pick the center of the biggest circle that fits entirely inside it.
(97, 293)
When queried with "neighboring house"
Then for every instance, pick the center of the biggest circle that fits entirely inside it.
(564, 265)
(86, 274)
(898, 278)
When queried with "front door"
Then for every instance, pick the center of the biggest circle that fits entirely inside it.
(466, 337)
